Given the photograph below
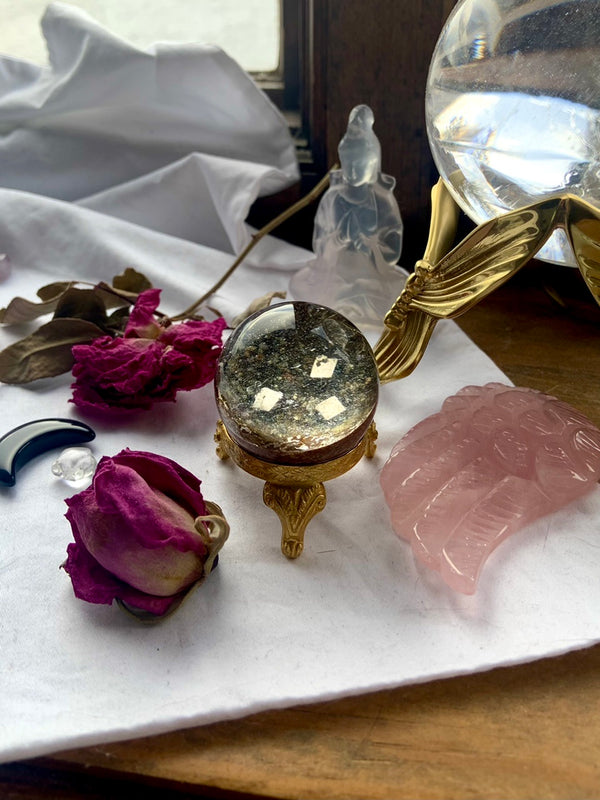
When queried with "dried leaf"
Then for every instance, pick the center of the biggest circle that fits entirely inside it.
(21, 310)
(81, 304)
(257, 305)
(52, 291)
(114, 297)
(47, 352)
(117, 321)
(131, 281)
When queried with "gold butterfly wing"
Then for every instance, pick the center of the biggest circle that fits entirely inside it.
(402, 345)
(582, 224)
(485, 259)
(398, 352)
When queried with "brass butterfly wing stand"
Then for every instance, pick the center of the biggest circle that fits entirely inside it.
(407, 335)
(582, 225)
(446, 284)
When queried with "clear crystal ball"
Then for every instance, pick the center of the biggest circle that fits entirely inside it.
(297, 384)
(513, 106)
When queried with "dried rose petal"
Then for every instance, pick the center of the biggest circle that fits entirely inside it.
(149, 364)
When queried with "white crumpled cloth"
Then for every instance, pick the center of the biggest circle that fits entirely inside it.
(159, 188)
(177, 138)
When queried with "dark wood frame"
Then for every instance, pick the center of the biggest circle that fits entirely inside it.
(296, 87)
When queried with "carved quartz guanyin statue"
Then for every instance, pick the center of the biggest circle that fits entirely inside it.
(357, 237)
(494, 459)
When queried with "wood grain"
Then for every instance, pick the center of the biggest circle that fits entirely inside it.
(521, 732)
(378, 53)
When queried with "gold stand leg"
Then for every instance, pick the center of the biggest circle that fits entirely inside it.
(295, 493)
(370, 441)
(221, 437)
(295, 506)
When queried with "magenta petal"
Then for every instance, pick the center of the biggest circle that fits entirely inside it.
(90, 581)
(148, 602)
(115, 373)
(172, 479)
(94, 584)
(149, 364)
(186, 335)
(142, 322)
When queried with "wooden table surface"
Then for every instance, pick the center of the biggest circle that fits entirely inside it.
(529, 731)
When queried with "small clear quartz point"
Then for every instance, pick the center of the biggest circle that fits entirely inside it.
(74, 464)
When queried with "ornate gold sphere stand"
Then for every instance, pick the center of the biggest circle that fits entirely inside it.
(295, 493)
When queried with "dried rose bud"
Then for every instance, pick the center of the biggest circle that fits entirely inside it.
(142, 533)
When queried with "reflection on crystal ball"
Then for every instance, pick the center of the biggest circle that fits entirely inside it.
(513, 106)
(297, 384)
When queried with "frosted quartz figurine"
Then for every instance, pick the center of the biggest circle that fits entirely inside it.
(494, 459)
(357, 238)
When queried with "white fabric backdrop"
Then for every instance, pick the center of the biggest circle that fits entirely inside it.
(354, 613)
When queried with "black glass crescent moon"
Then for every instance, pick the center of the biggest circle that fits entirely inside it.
(23, 443)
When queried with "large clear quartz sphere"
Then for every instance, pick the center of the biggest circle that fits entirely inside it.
(513, 106)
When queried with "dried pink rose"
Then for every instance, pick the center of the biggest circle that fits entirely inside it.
(148, 364)
(138, 536)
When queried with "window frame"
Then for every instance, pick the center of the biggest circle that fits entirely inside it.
(296, 86)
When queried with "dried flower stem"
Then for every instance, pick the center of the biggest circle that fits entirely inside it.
(300, 204)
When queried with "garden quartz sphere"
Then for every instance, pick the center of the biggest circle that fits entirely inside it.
(297, 384)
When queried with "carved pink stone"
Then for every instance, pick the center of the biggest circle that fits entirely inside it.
(494, 459)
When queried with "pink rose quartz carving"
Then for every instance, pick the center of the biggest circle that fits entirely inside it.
(494, 459)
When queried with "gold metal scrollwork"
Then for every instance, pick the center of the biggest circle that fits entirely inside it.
(295, 506)
(447, 284)
(295, 493)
